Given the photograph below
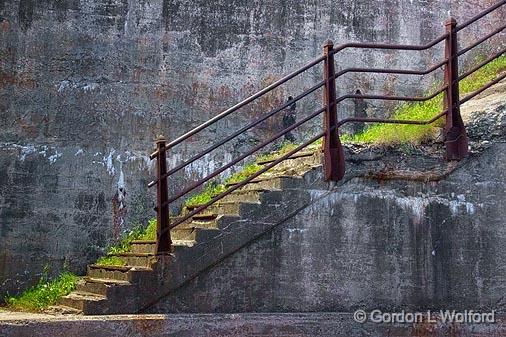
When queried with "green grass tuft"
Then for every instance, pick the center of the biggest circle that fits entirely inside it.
(149, 233)
(213, 189)
(110, 261)
(125, 244)
(415, 134)
(45, 293)
(244, 173)
(283, 149)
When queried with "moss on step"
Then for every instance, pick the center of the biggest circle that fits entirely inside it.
(44, 294)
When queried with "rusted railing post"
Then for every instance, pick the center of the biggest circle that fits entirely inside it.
(332, 148)
(455, 132)
(163, 242)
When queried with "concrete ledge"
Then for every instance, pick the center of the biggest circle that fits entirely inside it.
(244, 324)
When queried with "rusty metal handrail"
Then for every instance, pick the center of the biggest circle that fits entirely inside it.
(242, 157)
(304, 94)
(455, 135)
(283, 132)
(290, 76)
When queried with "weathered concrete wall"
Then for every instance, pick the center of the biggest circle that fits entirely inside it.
(86, 85)
(388, 245)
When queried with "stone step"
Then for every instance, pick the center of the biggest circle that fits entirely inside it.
(195, 234)
(121, 273)
(207, 220)
(137, 259)
(252, 196)
(62, 310)
(300, 158)
(184, 234)
(150, 245)
(273, 183)
(83, 301)
(231, 208)
(100, 286)
(143, 246)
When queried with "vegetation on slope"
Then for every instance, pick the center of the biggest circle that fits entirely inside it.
(415, 134)
(45, 293)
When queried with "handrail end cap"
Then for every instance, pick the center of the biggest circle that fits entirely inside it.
(328, 43)
(451, 22)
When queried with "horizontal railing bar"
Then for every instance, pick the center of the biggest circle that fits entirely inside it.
(484, 63)
(242, 103)
(483, 39)
(394, 98)
(238, 132)
(391, 121)
(479, 16)
(242, 157)
(245, 181)
(389, 46)
(485, 87)
(307, 92)
(392, 71)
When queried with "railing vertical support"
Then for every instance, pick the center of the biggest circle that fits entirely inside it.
(163, 241)
(332, 148)
(455, 132)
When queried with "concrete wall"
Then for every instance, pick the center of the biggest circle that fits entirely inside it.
(86, 85)
(391, 246)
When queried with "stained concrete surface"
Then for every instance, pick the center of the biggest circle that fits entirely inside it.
(228, 325)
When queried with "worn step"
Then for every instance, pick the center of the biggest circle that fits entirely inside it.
(122, 273)
(273, 183)
(184, 234)
(300, 154)
(183, 243)
(137, 259)
(201, 220)
(252, 196)
(234, 207)
(297, 160)
(143, 246)
(190, 236)
(149, 246)
(83, 301)
(100, 286)
(61, 310)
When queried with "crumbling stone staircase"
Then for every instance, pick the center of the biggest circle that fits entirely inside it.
(199, 244)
